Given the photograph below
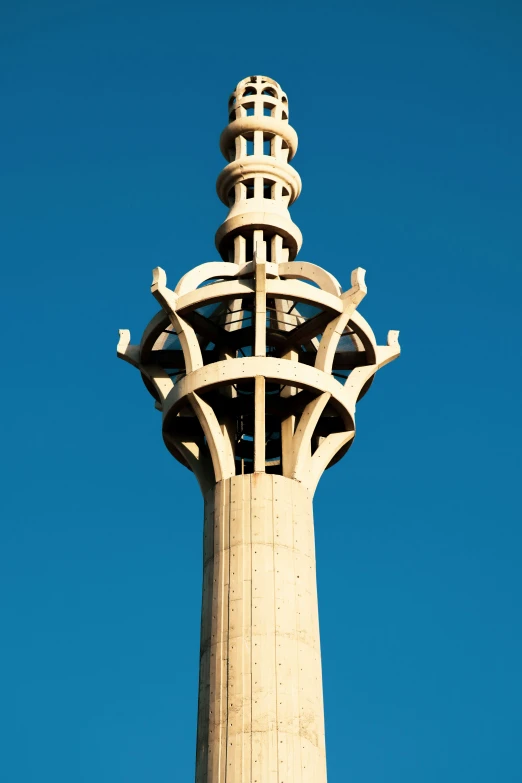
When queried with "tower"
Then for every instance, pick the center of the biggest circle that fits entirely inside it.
(256, 363)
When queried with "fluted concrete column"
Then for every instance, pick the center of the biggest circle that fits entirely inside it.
(260, 716)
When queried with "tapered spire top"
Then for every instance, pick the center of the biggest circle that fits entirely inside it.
(258, 184)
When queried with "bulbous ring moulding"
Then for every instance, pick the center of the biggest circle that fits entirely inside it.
(257, 361)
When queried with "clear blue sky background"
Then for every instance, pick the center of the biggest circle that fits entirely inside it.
(409, 119)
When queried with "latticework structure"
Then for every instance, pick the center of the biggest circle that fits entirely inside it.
(257, 362)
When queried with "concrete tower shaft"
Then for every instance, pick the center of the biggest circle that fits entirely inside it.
(258, 184)
(256, 363)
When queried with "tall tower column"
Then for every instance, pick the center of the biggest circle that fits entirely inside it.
(256, 363)
(260, 701)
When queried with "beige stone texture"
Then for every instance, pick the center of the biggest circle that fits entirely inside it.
(260, 716)
(256, 363)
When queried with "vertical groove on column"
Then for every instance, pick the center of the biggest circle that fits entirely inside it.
(276, 662)
(222, 613)
(226, 526)
(247, 706)
(251, 633)
(202, 746)
(298, 630)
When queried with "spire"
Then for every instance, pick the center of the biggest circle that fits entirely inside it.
(258, 184)
(256, 363)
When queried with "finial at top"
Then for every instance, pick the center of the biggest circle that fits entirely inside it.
(258, 184)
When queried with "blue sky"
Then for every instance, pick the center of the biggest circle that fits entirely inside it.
(409, 120)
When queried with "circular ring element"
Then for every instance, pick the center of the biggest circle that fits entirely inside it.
(255, 166)
(283, 371)
(251, 124)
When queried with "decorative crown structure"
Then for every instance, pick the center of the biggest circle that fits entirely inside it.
(258, 184)
(257, 361)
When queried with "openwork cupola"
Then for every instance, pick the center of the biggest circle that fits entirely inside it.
(257, 361)
(258, 184)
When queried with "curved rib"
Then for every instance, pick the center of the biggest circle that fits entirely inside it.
(189, 343)
(187, 336)
(162, 382)
(199, 274)
(304, 269)
(302, 440)
(333, 332)
(152, 331)
(129, 353)
(324, 455)
(360, 375)
(220, 448)
(194, 458)
(364, 332)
